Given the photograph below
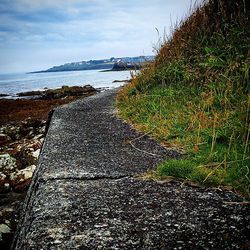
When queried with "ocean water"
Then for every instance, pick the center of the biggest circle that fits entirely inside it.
(15, 83)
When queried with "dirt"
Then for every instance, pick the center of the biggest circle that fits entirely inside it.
(15, 111)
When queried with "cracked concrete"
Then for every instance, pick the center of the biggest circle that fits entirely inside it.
(85, 194)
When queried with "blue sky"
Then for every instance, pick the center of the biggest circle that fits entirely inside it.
(38, 34)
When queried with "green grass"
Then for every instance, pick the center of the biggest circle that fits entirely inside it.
(195, 97)
(215, 170)
(211, 137)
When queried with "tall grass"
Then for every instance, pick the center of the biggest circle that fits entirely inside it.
(196, 95)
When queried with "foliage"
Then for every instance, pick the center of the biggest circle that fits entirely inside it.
(196, 96)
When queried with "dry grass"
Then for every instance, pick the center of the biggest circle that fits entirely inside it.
(196, 95)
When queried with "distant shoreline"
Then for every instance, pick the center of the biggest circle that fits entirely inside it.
(13, 84)
(111, 64)
(69, 70)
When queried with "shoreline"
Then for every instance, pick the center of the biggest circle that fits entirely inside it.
(22, 131)
(47, 93)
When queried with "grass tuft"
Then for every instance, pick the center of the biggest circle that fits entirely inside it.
(196, 96)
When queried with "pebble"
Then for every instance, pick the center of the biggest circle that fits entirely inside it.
(6, 186)
(2, 176)
(36, 153)
(4, 139)
(23, 174)
(4, 229)
(57, 242)
(7, 162)
(20, 147)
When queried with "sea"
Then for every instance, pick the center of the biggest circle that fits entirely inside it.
(11, 84)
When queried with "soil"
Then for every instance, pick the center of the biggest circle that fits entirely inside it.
(15, 111)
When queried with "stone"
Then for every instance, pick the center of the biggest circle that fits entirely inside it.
(36, 153)
(39, 136)
(7, 163)
(4, 229)
(13, 132)
(6, 187)
(4, 139)
(61, 92)
(42, 130)
(2, 177)
(23, 174)
(24, 157)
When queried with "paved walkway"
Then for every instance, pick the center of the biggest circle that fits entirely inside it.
(86, 193)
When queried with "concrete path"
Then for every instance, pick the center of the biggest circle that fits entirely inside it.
(86, 193)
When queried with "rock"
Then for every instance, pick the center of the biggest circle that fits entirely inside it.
(42, 130)
(125, 81)
(61, 92)
(25, 130)
(7, 222)
(21, 179)
(30, 135)
(4, 139)
(23, 174)
(13, 132)
(30, 93)
(30, 127)
(68, 91)
(36, 153)
(2, 177)
(118, 66)
(43, 122)
(39, 136)
(6, 187)
(24, 156)
(4, 229)
(7, 163)
(33, 123)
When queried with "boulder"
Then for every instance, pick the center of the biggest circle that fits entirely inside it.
(61, 92)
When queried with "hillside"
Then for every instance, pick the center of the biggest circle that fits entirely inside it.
(98, 64)
(195, 97)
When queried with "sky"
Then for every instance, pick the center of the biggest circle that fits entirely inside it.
(38, 34)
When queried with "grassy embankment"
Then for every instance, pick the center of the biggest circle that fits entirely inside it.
(195, 97)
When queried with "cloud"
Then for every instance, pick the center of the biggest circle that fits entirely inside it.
(80, 29)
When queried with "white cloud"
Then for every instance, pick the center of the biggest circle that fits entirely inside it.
(41, 33)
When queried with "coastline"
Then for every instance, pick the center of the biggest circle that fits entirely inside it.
(22, 131)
